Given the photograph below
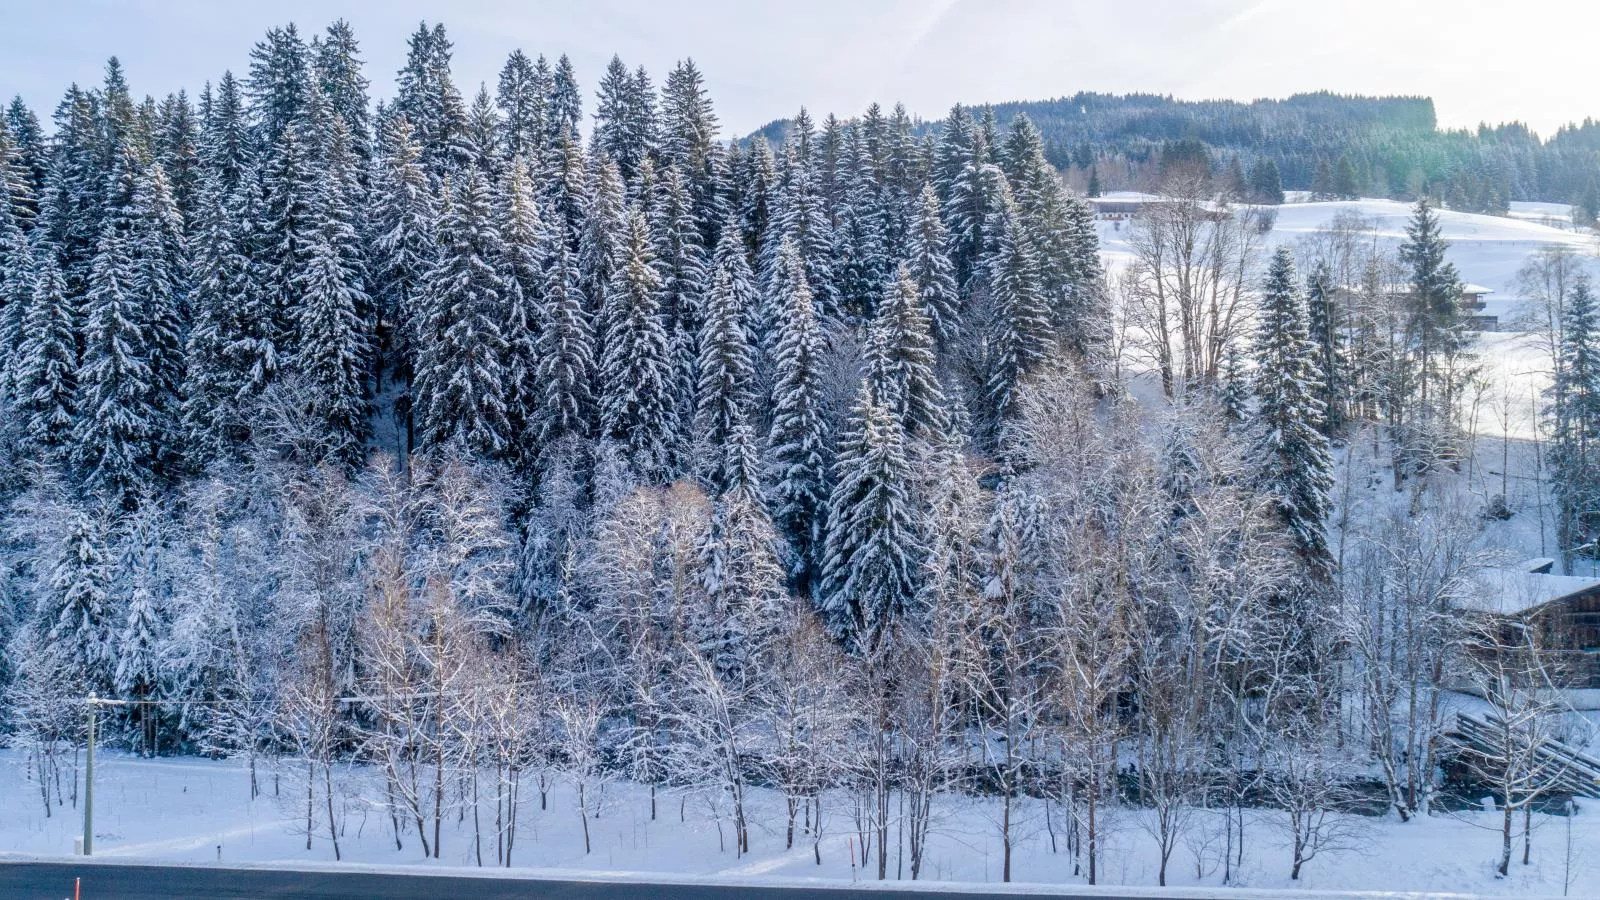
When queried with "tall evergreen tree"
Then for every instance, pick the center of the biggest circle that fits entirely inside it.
(566, 352)
(401, 219)
(43, 373)
(523, 240)
(332, 340)
(461, 381)
(870, 558)
(1296, 467)
(1020, 333)
(799, 436)
(1575, 448)
(638, 406)
(901, 361)
(931, 270)
(724, 396)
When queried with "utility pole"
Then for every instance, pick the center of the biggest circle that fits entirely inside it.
(88, 785)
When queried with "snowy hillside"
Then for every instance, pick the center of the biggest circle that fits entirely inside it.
(1486, 250)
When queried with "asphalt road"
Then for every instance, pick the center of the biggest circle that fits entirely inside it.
(103, 881)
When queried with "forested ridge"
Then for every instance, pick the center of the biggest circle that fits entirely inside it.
(455, 440)
(1330, 144)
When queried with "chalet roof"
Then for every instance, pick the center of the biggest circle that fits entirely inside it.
(1512, 591)
(1475, 289)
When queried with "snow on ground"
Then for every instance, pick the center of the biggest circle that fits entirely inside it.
(184, 809)
(1487, 250)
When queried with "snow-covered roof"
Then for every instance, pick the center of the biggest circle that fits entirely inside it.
(1127, 197)
(1510, 591)
(1476, 289)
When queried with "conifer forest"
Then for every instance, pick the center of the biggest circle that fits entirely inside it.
(490, 437)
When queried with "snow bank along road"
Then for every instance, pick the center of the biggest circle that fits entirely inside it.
(30, 880)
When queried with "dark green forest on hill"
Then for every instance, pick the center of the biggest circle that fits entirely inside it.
(1327, 143)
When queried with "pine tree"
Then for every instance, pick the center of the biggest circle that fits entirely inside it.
(523, 272)
(115, 431)
(44, 369)
(1020, 333)
(287, 228)
(1266, 185)
(637, 402)
(799, 436)
(1435, 329)
(681, 263)
(161, 264)
(177, 150)
(332, 346)
(1344, 179)
(801, 217)
(600, 246)
(279, 86)
(403, 248)
(1328, 338)
(566, 354)
(739, 564)
(624, 119)
(523, 114)
(74, 613)
(337, 70)
(565, 105)
(724, 396)
(863, 267)
(688, 123)
(72, 205)
(1575, 448)
(461, 381)
(1296, 467)
(870, 558)
(931, 270)
(223, 356)
(900, 362)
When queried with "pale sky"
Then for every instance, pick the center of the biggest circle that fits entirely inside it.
(1480, 60)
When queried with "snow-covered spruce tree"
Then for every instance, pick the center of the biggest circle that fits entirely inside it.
(279, 86)
(901, 361)
(799, 438)
(401, 217)
(141, 637)
(1575, 446)
(871, 555)
(117, 414)
(74, 611)
(287, 225)
(862, 265)
(681, 263)
(1020, 333)
(600, 246)
(1328, 337)
(331, 337)
(756, 183)
(1296, 468)
(740, 572)
(566, 353)
(520, 96)
(931, 270)
(43, 372)
(522, 269)
(160, 283)
(724, 394)
(220, 271)
(624, 118)
(801, 217)
(461, 379)
(336, 70)
(1436, 336)
(71, 205)
(637, 404)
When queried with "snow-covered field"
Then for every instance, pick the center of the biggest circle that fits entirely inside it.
(199, 810)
